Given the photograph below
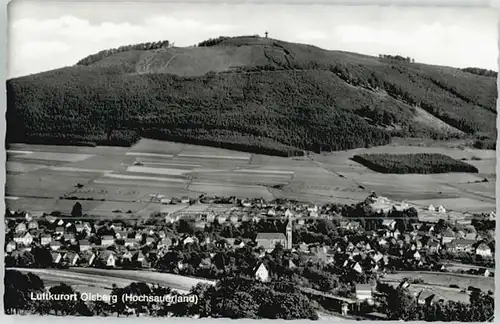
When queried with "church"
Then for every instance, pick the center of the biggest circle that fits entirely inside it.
(269, 240)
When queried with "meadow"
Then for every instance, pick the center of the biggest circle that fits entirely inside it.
(444, 280)
(108, 180)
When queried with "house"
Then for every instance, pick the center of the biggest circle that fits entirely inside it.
(483, 272)
(69, 237)
(87, 258)
(24, 239)
(357, 267)
(18, 238)
(138, 236)
(461, 245)
(121, 234)
(364, 292)
(417, 256)
(72, 258)
(344, 309)
(261, 273)
(313, 209)
(470, 234)
(84, 245)
(431, 208)
(484, 250)
(447, 236)
(87, 227)
(117, 227)
(246, 204)
(313, 214)
(353, 226)
(55, 245)
(79, 228)
(59, 230)
(416, 226)
(45, 239)
(210, 217)
(107, 259)
(56, 257)
(205, 263)
(181, 265)
(404, 284)
(28, 217)
(376, 257)
(165, 201)
(50, 219)
(107, 240)
(33, 225)
(433, 246)
(20, 228)
(140, 260)
(130, 242)
(127, 256)
(269, 240)
(427, 297)
(382, 241)
(11, 246)
(188, 240)
(389, 223)
(441, 209)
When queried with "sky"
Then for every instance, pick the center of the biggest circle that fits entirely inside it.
(45, 35)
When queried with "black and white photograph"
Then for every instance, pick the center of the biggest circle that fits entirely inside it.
(250, 161)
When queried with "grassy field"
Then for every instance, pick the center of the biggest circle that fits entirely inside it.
(91, 279)
(127, 178)
(444, 280)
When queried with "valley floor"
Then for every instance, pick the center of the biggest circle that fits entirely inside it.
(123, 182)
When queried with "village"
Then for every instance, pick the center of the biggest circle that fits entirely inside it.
(366, 242)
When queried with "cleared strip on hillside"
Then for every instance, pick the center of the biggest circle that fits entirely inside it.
(259, 171)
(211, 156)
(161, 171)
(149, 154)
(19, 152)
(131, 177)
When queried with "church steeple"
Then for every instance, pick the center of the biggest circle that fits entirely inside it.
(289, 228)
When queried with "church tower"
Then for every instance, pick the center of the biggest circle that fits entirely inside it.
(289, 233)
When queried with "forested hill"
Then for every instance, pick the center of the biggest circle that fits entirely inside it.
(253, 94)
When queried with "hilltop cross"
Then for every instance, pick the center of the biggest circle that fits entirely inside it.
(266, 34)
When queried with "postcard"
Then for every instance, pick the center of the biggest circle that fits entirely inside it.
(260, 161)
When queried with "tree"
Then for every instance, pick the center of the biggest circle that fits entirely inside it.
(66, 307)
(77, 210)
(185, 226)
(240, 305)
